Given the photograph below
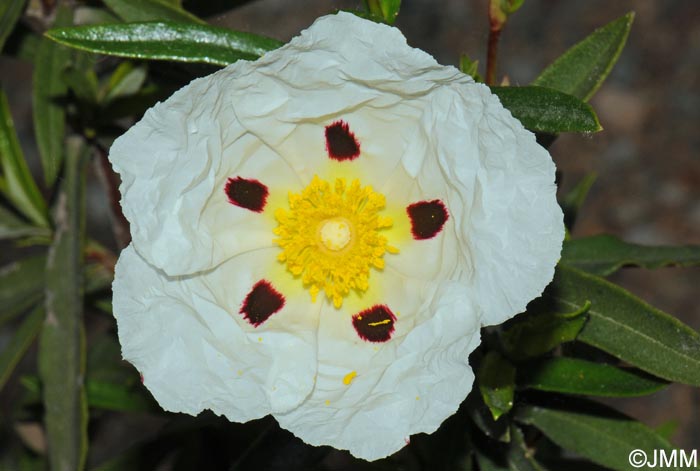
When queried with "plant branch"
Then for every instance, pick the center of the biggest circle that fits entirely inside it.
(494, 36)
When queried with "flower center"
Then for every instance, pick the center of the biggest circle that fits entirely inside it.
(330, 237)
(335, 234)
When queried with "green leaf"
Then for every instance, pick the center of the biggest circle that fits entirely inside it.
(668, 429)
(82, 82)
(10, 12)
(487, 463)
(12, 227)
(62, 342)
(104, 305)
(18, 185)
(49, 89)
(584, 67)
(81, 78)
(150, 10)
(117, 397)
(384, 10)
(604, 437)
(575, 376)
(21, 284)
(11, 312)
(481, 416)
(134, 105)
(519, 456)
(628, 328)
(166, 41)
(126, 80)
(470, 67)
(541, 329)
(605, 254)
(497, 383)
(547, 110)
(574, 200)
(19, 343)
(500, 10)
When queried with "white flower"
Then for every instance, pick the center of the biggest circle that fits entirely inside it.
(320, 234)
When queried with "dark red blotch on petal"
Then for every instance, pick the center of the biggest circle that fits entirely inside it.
(375, 324)
(341, 142)
(248, 194)
(262, 302)
(427, 218)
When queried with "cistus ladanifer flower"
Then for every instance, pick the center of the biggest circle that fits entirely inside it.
(320, 234)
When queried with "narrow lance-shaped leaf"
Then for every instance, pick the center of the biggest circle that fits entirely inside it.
(470, 67)
(111, 396)
(62, 342)
(150, 10)
(17, 184)
(605, 254)
(541, 329)
(487, 463)
(497, 383)
(547, 110)
(126, 80)
(10, 12)
(166, 41)
(601, 435)
(481, 416)
(19, 343)
(12, 227)
(21, 285)
(584, 67)
(384, 10)
(575, 376)
(628, 328)
(50, 89)
(82, 79)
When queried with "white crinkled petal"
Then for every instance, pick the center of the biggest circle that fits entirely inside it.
(407, 385)
(509, 221)
(498, 186)
(174, 164)
(196, 351)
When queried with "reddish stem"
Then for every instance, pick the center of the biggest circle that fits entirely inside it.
(494, 36)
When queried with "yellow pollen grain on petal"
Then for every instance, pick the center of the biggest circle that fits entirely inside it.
(331, 237)
(349, 377)
(328, 403)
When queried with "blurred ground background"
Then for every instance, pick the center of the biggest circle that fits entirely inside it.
(647, 158)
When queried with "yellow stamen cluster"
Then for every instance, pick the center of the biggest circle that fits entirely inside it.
(330, 237)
